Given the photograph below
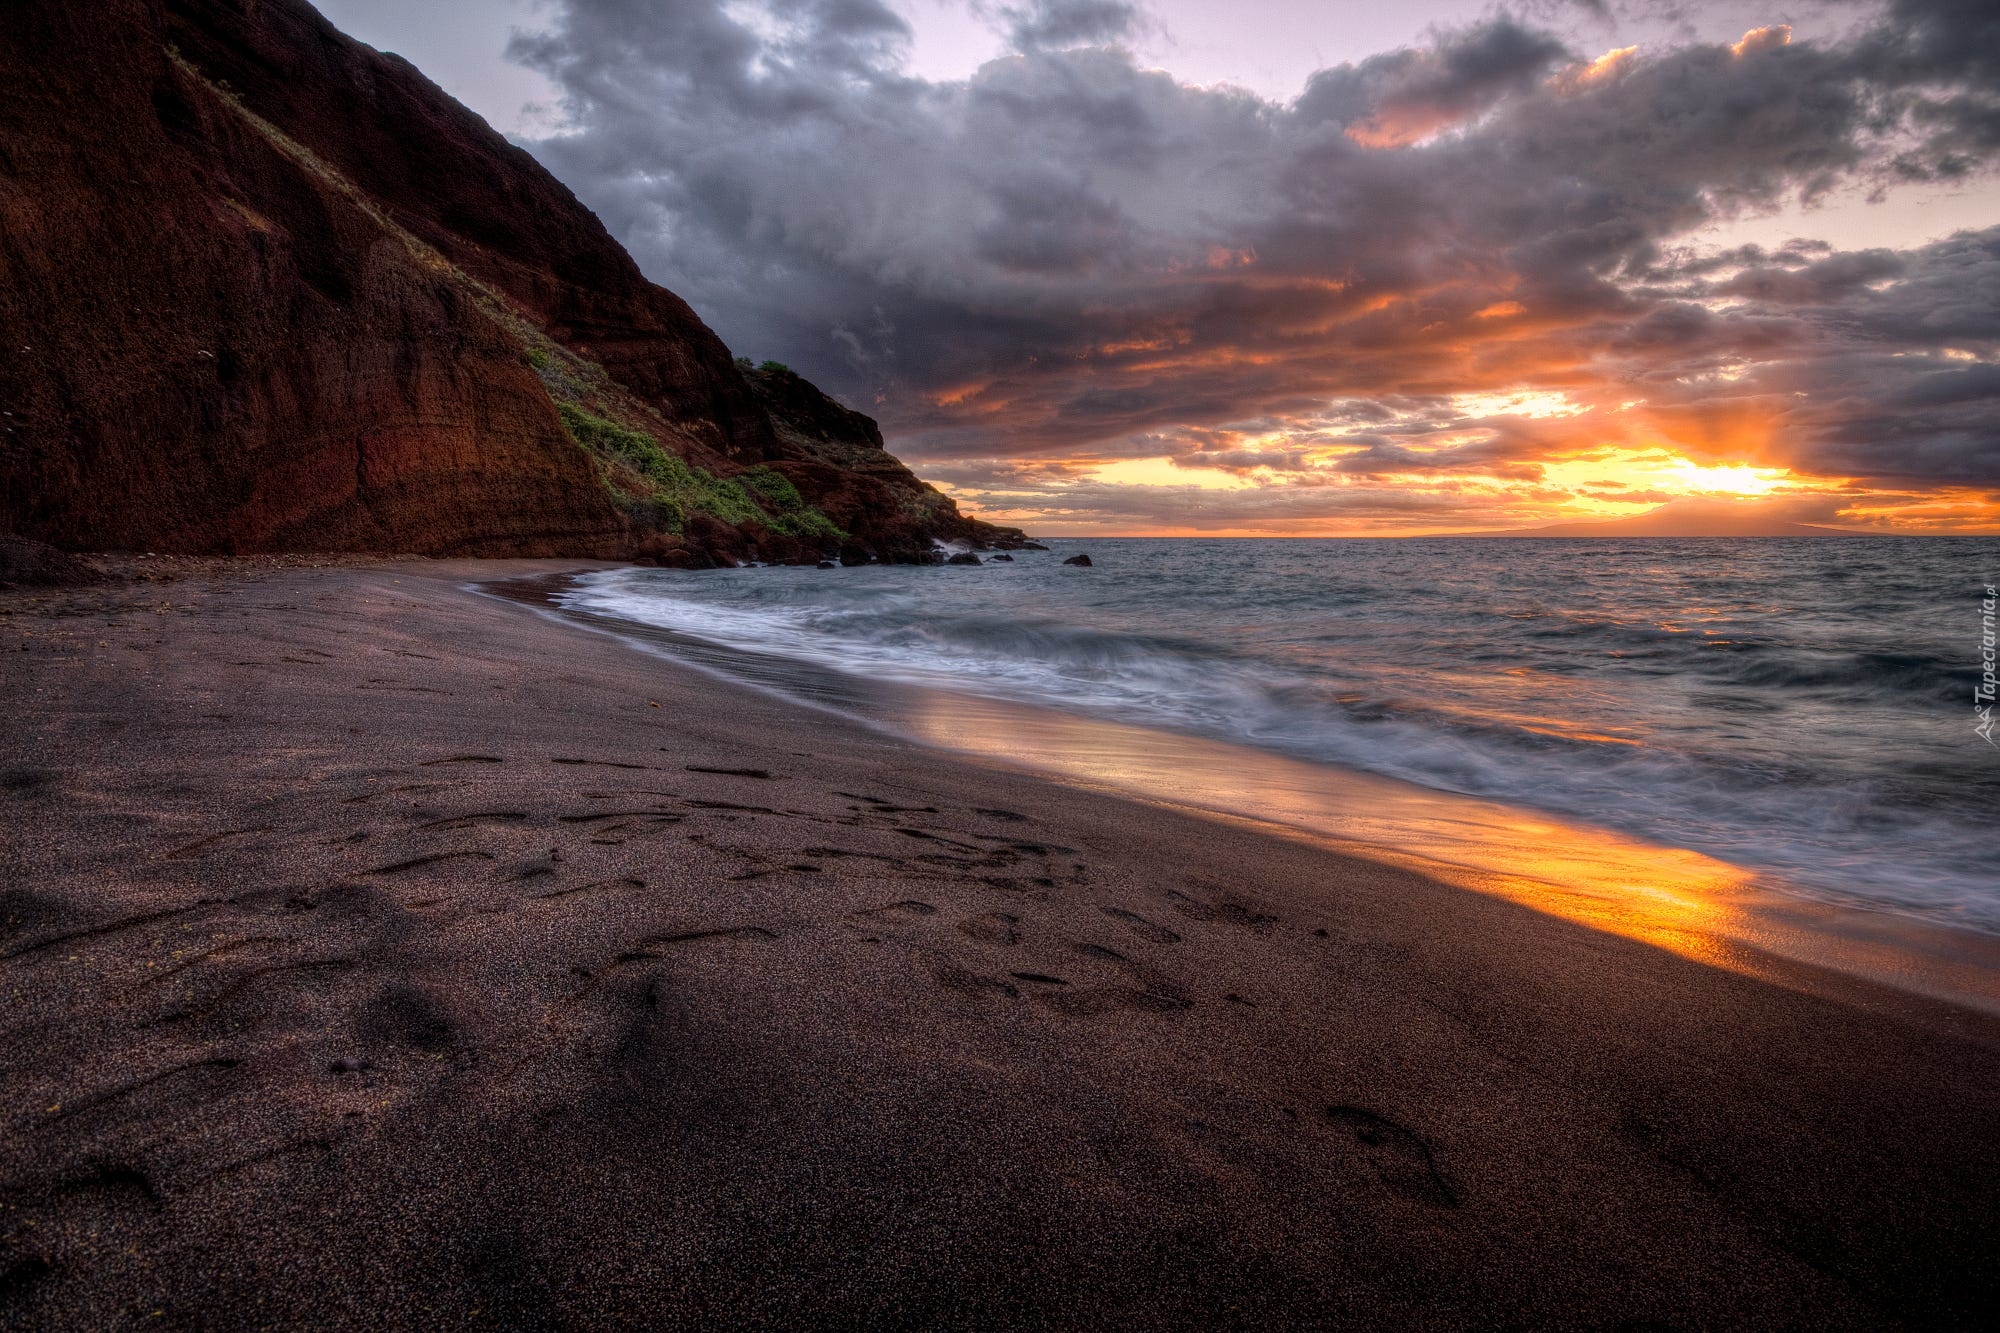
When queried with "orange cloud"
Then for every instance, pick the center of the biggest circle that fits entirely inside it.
(1762, 39)
(1605, 69)
(1399, 126)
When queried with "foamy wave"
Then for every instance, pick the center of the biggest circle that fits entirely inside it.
(1681, 727)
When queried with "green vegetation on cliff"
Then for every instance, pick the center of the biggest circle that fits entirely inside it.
(762, 495)
(791, 515)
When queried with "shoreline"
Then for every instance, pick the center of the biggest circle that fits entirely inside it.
(1675, 898)
(382, 954)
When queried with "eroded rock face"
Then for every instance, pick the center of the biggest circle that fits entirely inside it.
(836, 456)
(267, 289)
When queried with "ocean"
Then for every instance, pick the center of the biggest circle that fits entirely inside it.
(1801, 708)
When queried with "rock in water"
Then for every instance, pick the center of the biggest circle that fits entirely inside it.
(1082, 560)
(964, 558)
(1002, 556)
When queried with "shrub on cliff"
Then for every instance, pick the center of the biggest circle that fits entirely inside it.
(791, 515)
(775, 488)
(608, 437)
(682, 487)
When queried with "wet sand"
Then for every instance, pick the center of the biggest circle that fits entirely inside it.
(381, 954)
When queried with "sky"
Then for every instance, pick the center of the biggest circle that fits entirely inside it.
(1279, 268)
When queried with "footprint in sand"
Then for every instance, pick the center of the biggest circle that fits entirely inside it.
(1141, 927)
(881, 806)
(1399, 1157)
(200, 845)
(993, 928)
(1229, 913)
(908, 910)
(399, 867)
(602, 885)
(971, 983)
(1148, 990)
(467, 821)
(418, 1017)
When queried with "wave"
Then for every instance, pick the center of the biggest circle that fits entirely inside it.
(1714, 761)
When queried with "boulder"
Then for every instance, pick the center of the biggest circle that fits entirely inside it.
(32, 562)
(1083, 560)
(964, 558)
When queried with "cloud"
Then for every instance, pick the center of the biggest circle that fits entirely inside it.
(1942, 58)
(1069, 255)
(1055, 24)
(1404, 96)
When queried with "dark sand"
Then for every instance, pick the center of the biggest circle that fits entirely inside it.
(378, 954)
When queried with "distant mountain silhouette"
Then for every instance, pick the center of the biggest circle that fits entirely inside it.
(1690, 518)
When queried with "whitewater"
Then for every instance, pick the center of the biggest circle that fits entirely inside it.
(1801, 708)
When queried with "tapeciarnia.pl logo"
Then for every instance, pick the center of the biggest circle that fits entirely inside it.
(1982, 693)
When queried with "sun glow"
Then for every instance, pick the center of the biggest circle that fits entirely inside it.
(1617, 481)
(1526, 403)
(1727, 478)
(1578, 462)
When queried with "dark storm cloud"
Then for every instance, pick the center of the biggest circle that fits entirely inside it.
(1069, 255)
(1829, 279)
(1049, 24)
(1946, 55)
(1400, 96)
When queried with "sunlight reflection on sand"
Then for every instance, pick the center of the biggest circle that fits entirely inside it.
(1670, 897)
(1694, 905)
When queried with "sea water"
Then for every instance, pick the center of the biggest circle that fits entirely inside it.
(1799, 707)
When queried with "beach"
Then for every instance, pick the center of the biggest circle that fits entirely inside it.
(383, 953)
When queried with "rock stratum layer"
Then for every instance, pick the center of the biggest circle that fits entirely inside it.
(264, 288)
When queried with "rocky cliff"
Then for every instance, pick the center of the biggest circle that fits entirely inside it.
(263, 288)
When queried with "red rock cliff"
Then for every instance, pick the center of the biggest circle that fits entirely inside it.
(265, 288)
